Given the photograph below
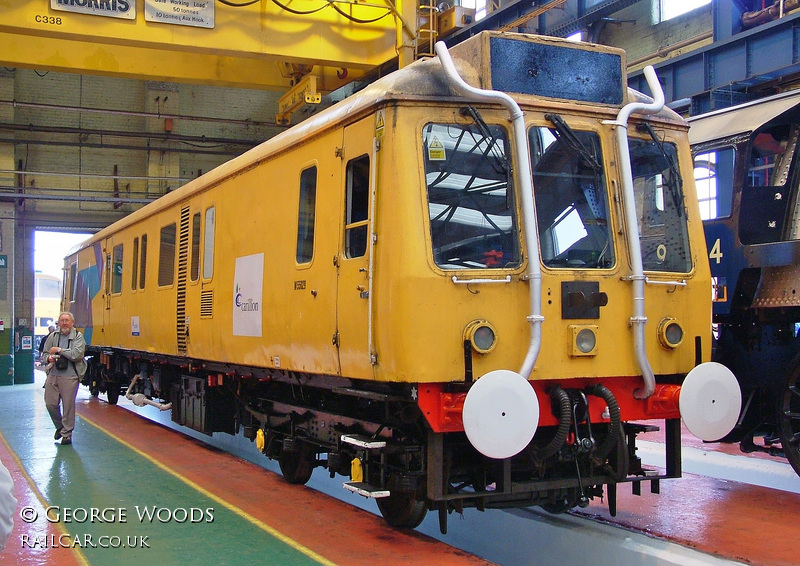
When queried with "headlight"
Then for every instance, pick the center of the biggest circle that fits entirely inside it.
(670, 333)
(583, 339)
(481, 336)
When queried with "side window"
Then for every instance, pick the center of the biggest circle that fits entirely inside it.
(208, 251)
(143, 263)
(356, 220)
(135, 264)
(116, 269)
(306, 215)
(713, 176)
(166, 256)
(194, 273)
(73, 282)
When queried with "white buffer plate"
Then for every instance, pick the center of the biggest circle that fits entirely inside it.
(710, 401)
(501, 414)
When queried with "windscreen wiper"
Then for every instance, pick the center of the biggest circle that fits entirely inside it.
(673, 167)
(501, 158)
(571, 138)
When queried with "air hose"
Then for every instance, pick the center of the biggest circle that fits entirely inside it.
(563, 407)
(611, 439)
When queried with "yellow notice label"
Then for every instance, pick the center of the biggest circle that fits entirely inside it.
(436, 150)
(380, 124)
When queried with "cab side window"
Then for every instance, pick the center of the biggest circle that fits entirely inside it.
(357, 207)
(116, 269)
(306, 215)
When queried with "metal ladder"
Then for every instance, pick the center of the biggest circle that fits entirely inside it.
(427, 31)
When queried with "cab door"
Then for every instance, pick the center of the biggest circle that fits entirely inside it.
(353, 259)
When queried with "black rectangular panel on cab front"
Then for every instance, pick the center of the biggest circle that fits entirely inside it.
(556, 71)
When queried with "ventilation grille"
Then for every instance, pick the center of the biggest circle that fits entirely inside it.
(183, 262)
(206, 304)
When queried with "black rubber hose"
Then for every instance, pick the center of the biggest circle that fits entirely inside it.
(610, 441)
(563, 407)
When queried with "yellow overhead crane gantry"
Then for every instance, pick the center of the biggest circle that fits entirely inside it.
(238, 43)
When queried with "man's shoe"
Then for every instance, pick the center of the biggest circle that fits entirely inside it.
(65, 441)
(57, 435)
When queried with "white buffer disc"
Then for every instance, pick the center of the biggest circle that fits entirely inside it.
(501, 414)
(710, 401)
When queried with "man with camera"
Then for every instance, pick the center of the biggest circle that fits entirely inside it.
(66, 365)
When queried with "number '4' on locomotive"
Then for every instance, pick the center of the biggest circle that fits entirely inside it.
(471, 284)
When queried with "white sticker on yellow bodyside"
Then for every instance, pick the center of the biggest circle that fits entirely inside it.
(248, 280)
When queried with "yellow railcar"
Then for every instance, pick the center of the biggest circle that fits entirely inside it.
(461, 286)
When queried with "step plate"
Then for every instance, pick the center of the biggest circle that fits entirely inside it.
(363, 441)
(365, 489)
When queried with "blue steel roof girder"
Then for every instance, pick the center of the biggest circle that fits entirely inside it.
(586, 13)
(589, 15)
(767, 52)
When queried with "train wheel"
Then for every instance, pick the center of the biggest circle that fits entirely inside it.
(297, 465)
(789, 418)
(402, 509)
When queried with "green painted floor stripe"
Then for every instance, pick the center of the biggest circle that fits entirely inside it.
(81, 559)
(104, 473)
(244, 515)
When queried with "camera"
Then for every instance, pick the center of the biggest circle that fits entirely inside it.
(62, 363)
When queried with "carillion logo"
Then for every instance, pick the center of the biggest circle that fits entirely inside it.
(246, 305)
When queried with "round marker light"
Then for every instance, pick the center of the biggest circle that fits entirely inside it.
(481, 336)
(670, 333)
(586, 340)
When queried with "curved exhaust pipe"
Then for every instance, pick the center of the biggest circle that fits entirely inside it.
(638, 320)
(534, 274)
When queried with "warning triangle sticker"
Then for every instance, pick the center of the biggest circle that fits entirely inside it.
(436, 150)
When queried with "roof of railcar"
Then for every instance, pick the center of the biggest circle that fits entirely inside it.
(421, 80)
